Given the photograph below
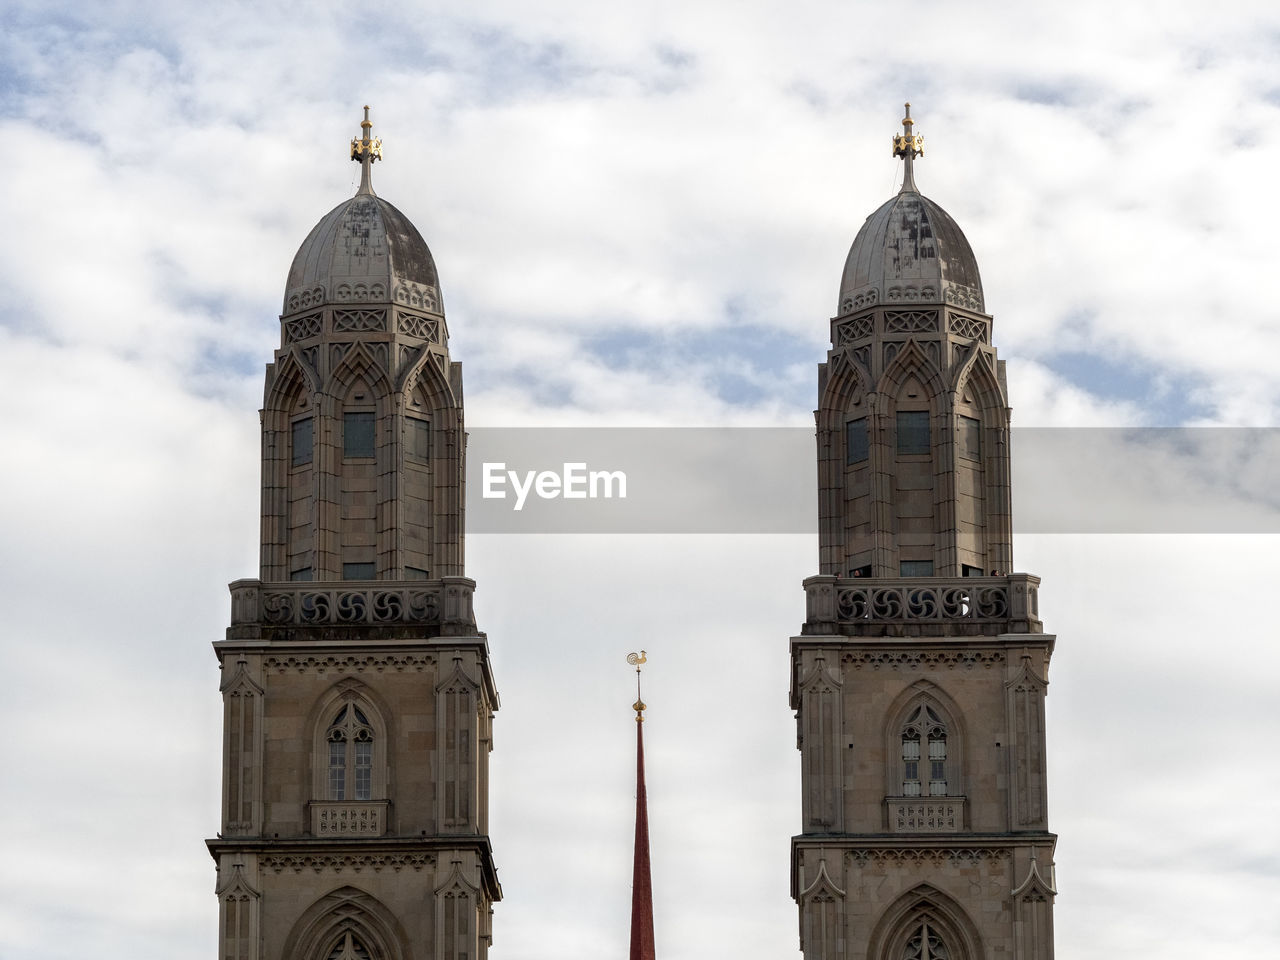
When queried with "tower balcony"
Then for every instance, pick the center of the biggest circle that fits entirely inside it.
(922, 606)
(374, 609)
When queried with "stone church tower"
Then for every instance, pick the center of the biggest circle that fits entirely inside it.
(919, 678)
(358, 693)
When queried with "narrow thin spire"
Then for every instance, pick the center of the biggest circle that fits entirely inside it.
(908, 147)
(641, 882)
(366, 149)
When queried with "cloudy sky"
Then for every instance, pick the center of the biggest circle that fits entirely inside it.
(639, 214)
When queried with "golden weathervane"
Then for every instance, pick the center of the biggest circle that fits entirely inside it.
(635, 659)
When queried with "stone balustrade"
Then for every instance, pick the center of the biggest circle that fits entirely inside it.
(304, 605)
(336, 818)
(922, 606)
(926, 814)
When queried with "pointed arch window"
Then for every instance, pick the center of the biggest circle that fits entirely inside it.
(924, 754)
(350, 739)
(926, 943)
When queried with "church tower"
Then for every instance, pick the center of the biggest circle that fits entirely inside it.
(358, 697)
(920, 674)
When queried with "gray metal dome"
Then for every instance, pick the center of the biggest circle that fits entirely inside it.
(910, 251)
(364, 249)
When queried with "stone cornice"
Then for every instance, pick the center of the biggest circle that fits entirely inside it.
(897, 845)
(341, 855)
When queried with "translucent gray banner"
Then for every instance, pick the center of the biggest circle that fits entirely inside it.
(763, 480)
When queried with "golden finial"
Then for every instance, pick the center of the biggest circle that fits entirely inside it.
(908, 147)
(635, 659)
(366, 149)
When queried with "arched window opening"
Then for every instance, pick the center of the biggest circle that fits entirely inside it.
(926, 943)
(350, 738)
(925, 728)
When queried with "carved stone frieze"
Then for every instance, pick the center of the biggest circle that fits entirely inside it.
(353, 862)
(417, 295)
(963, 296)
(863, 298)
(895, 659)
(351, 663)
(348, 292)
(910, 293)
(934, 857)
(301, 299)
(968, 327)
(302, 328)
(355, 321)
(356, 819)
(926, 814)
(859, 328)
(910, 321)
(423, 328)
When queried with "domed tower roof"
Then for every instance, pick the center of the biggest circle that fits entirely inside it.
(910, 250)
(364, 249)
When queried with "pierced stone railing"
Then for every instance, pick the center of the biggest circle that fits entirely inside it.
(922, 606)
(335, 818)
(925, 814)
(389, 603)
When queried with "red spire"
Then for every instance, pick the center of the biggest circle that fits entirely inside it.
(641, 883)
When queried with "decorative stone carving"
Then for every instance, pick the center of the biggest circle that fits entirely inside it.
(423, 328)
(346, 292)
(334, 818)
(858, 328)
(968, 327)
(863, 298)
(309, 356)
(910, 293)
(378, 605)
(355, 862)
(377, 663)
(924, 658)
(301, 299)
(863, 356)
(416, 295)
(355, 321)
(926, 815)
(963, 296)
(933, 856)
(910, 321)
(302, 328)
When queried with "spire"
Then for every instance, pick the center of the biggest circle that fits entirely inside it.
(366, 149)
(641, 883)
(908, 147)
